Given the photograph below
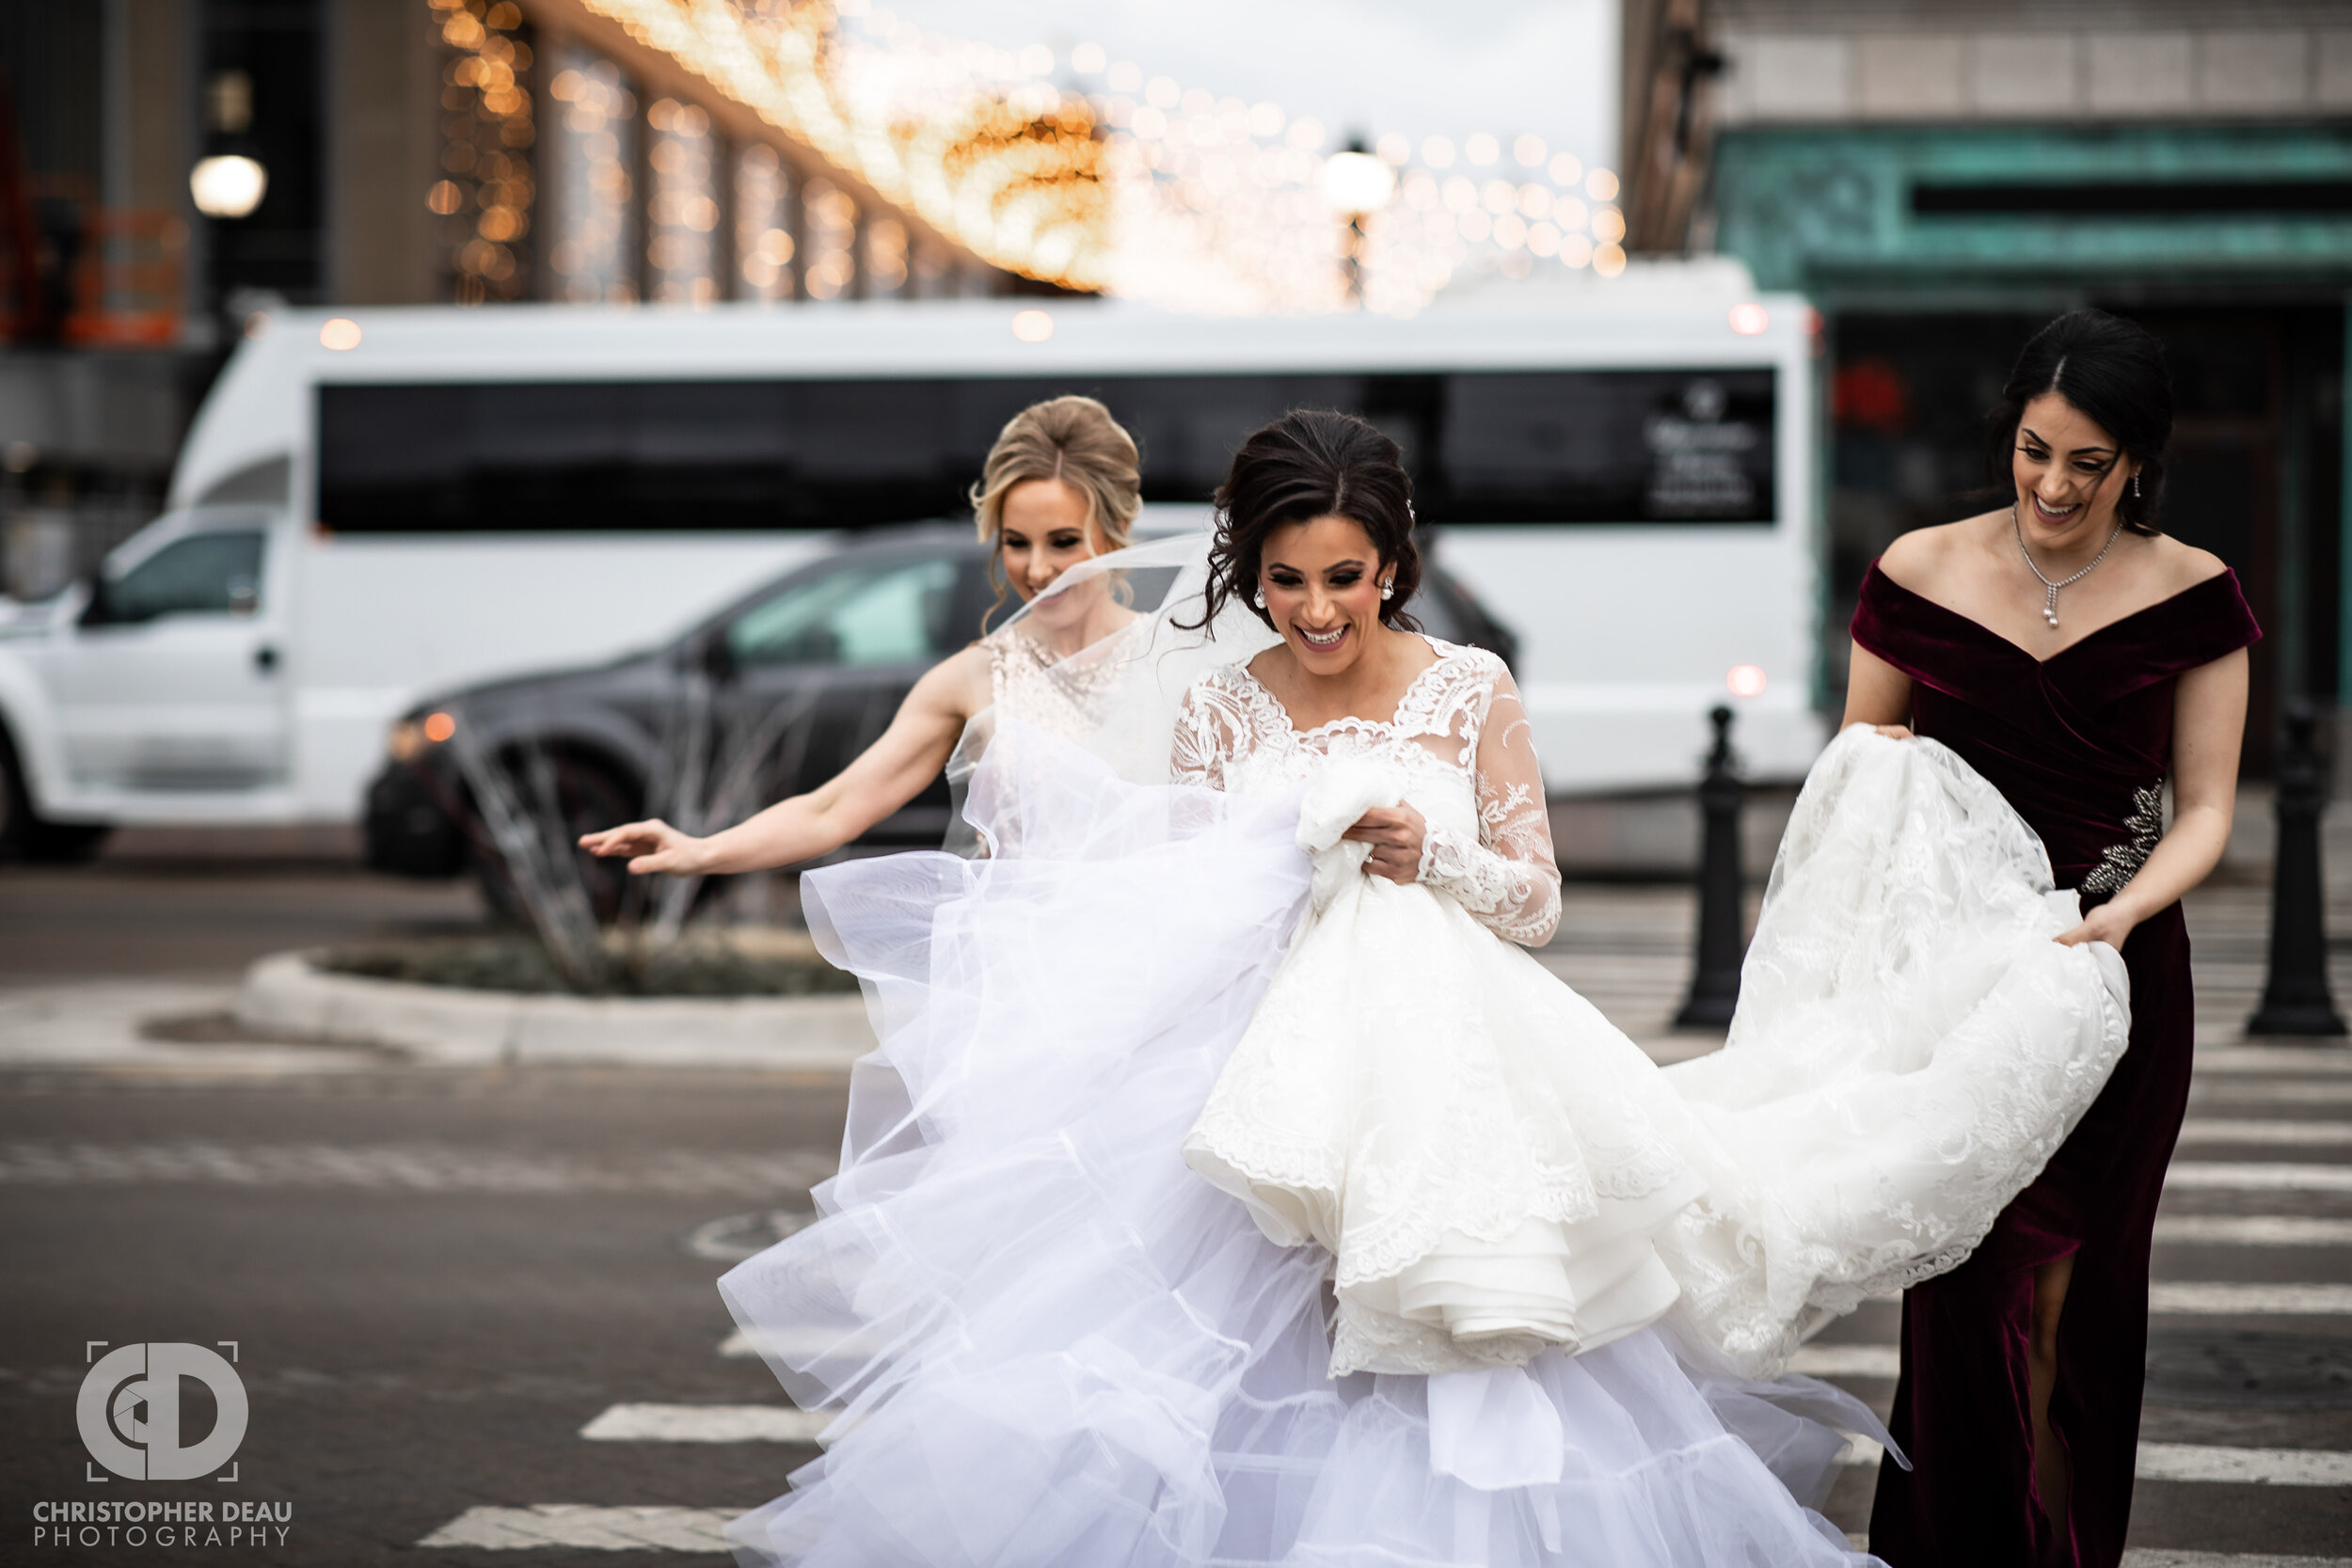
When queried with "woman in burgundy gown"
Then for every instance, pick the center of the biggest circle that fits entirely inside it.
(2021, 1370)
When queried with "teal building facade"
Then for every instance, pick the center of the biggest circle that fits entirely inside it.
(1933, 248)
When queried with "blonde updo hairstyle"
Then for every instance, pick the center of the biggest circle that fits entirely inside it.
(1073, 440)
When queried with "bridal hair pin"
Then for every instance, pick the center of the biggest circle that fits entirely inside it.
(2049, 605)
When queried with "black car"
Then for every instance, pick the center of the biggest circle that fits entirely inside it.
(790, 682)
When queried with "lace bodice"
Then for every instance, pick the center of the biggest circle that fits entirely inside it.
(1029, 682)
(1460, 739)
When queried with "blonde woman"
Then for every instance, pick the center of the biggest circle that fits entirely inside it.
(1062, 485)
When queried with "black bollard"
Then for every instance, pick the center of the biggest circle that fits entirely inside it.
(1715, 986)
(2296, 1001)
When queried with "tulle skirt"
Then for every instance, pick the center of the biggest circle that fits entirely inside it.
(1045, 1340)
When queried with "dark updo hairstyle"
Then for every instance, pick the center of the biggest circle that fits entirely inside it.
(1313, 463)
(2113, 373)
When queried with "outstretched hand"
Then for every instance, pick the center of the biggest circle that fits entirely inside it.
(652, 847)
(1395, 834)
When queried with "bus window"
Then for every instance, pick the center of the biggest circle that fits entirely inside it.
(1605, 446)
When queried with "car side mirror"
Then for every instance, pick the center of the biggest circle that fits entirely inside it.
(96, 609)
(718, 659)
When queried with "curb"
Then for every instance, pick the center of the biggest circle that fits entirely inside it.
(285, 993)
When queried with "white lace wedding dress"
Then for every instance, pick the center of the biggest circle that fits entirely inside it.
(1486, 1157)
(1496, 1290)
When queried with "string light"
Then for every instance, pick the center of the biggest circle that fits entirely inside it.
(486, 197)
(1126, 182)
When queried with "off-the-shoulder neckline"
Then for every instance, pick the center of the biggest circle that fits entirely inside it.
(2094, 634)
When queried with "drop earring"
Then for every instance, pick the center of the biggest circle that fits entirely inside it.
(1388, 590)
(2135, 484)
(1258, 598)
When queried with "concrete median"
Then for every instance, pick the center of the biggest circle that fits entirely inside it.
(288, 994)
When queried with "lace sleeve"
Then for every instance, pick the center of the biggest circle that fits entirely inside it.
(1507, 881)
(1207, 729)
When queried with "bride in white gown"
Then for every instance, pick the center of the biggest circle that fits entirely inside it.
(1496, 1290)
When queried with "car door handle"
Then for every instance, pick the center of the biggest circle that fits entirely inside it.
(265, 658)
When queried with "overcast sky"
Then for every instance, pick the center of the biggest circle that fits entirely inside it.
(1360, 66)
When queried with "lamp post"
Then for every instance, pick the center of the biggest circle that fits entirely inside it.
(228, 182)
(1355, 185)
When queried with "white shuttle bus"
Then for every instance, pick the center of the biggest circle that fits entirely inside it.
(377, 505)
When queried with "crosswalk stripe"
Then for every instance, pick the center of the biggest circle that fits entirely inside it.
(2214, 1130)
(2325, 1060)
(579, 1525)
(2178, 1298)
(2252, 1231)
(2204, 1462)
(2149, 1557)
(2199, 1297)
(2268, 1091)
(706, 1424)
(697, 1529)
(2199, 1461)
(393, 1168)
(2238, 1176)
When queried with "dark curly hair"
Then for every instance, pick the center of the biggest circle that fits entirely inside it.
(1313, 463)
(2113, 373)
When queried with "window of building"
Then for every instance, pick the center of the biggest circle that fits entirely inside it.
(592, 252)
(682, 206)
(829, 223)
(763, 243)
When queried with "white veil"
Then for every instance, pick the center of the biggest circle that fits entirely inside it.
(1116, 696)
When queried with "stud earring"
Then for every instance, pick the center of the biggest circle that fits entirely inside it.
(1388, 590)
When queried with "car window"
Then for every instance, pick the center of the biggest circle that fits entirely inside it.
(892, 613)
(203, 574)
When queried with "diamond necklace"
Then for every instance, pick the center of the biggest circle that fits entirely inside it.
(2049, 605)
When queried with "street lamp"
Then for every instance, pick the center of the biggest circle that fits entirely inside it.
(1355, 185)
(227, 185)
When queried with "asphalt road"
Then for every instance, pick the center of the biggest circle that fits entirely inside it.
(435, 1281)
(408, 1349)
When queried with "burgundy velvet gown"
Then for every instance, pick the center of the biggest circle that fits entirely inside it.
(2080, 743)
